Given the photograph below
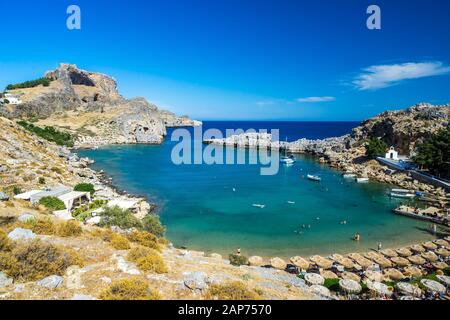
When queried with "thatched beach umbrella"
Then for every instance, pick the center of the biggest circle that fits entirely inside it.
(401, 262)
(417, 248)
(441, 242)
(404, 252)
(321, 262)
(327, 274)
(255, 261)
(433, 286)
(430, 256)
(359, 259)
(412, 272)
(350, 286)
(373, 275)
(393, 274)
(345, 262)
(383, 262)
(320, 290)
(278, 263)
(314, 279)
(445, 280)
(429, 245)
(389, 253)
(351, 276)
(417, 260)
(371, 255)
(440, 265)
(442, 252)
(408, 289)
(380, 289)
(300, 262)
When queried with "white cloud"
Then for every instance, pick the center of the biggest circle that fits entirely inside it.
(265, 103)
(316, 99)
(382, 76)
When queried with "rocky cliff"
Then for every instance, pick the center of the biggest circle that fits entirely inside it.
(89, 105)
(403, 129)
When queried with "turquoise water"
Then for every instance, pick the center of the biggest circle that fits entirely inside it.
(210, 207)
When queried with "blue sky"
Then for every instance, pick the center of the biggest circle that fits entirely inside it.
(242, 59)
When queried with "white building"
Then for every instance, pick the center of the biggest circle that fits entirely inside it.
(392, 154)
(11, 98)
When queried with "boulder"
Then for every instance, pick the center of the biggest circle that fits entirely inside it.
(26, 217)
(126, 267)
(278, 263)
(21, 234)
(51, 282)
(216, 256)
(195, 280)
(255, 261)
(4, 280)
(94, 220)
(4, 196)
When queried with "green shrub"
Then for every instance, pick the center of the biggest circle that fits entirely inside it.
(152, 224)
(85, 187)
(138, 252)
(144, 239)
(375, 148)
(231, 291)
(332, 284)
(238, 260)
(69, 229)
(119, 242)
(129, 289)
(29, 84)
(52, 203)
(36, 260)
(12, 190)
(434, 153)
(49, 133)
(5, 243)
(41, 180)
(39, 226)
(147, 259)
(446, 271)
(85, 212)
(115, 216)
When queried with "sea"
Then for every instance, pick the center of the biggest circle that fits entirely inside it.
(221, 207)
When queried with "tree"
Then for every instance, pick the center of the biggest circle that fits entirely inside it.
(85, 187)
(153, 225)
(434, 153)
(375, 148)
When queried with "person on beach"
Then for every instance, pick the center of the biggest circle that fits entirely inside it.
(357, 237)
(379, 246)
(238, 252)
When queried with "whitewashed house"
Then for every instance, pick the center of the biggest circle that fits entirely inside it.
(392, 154)
(11, 98)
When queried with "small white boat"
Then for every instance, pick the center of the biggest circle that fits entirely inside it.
(261, 206)
(313, 177)
(291, 202)
(402, 195)
(349, 175)
(287, 160)
(362, 180)
(402, 191)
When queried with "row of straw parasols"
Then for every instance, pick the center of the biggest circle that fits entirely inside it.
(407, 258)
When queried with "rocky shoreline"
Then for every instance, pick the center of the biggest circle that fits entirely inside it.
(403, 129)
